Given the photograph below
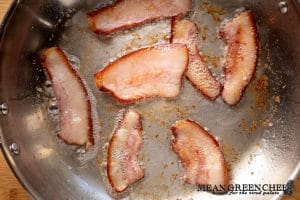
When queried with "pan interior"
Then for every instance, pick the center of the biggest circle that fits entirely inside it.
(258, 136)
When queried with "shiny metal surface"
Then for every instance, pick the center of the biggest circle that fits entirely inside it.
(259, 136)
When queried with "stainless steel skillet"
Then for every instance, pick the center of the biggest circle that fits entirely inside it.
(259, 136)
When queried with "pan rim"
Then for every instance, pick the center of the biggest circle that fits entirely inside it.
(6, 153)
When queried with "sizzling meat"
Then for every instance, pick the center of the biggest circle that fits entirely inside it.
(186, 32)
(200, 154)
(76, 124)
(123, 168)
(241, 37)
(148, 72)
(129, 13)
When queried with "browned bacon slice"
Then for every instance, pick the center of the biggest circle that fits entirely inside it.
(129, 13)
(76, 124)
(200, 154)
(186, 32)
(240, 35)
(148, 72)
(123, 168)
